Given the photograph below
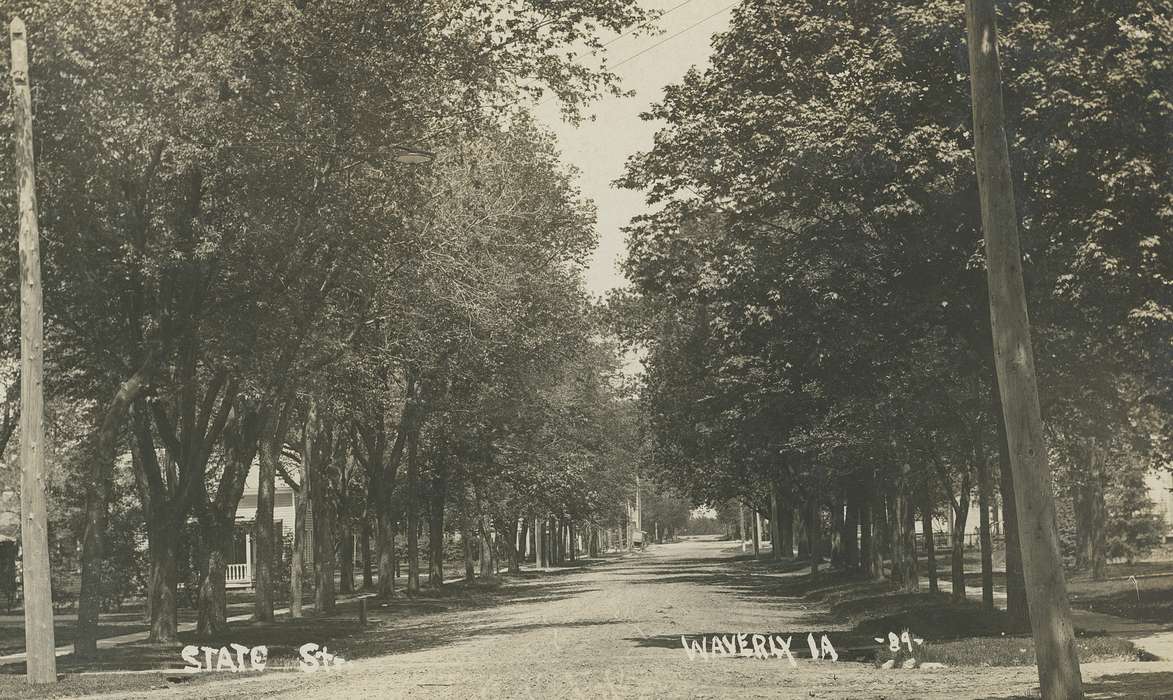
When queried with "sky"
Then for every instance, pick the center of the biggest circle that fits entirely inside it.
(600, 147)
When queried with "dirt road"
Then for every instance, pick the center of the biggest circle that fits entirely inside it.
(614, 629)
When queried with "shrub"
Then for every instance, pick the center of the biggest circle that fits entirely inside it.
(1133, 528)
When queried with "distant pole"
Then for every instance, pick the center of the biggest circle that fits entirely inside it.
(1050, 613)
(34, 531)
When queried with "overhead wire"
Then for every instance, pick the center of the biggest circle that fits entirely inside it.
(666, 39)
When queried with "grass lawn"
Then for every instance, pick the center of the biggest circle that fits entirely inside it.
(404, 623)
(1150, 599)
(954, 633)
(1019, 651)
(130, 618)
(1118, 597)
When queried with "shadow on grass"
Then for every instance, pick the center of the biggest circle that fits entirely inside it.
(854, 610)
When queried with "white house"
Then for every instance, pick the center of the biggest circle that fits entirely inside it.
(1160, 485)
(240, 566)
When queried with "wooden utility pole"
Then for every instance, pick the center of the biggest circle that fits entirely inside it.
(1050, 611)
(34, 531)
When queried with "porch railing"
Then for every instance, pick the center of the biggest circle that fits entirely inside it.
(238, 573)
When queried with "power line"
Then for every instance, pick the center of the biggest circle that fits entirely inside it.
(646, 24)
(666, 39)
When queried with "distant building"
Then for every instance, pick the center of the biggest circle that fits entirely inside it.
(240, 572)
(1160, 485)
(241, 568)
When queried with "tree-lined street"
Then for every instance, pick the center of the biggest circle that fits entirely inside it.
(304, 340)
(613, 630)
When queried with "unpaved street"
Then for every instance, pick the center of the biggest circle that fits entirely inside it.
(613, 630)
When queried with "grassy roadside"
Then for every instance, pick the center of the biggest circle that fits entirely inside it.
(401, 624)
(956, 633)
(1149, 599)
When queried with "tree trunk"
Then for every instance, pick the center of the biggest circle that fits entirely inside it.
(812, 532)
(346, 558)
(957, 533)
(881, 536)
(741, 525)
(218, 514)
(801, 515)
(539, 545)
(385, 544)
(837, 520)
(563, 541)
(297, 558)
(1058, 662)
(467, 534)
(324, 560)
(263, 532)
(558, 538)
(893, 515)
(777, 550)
(983, 469)
(930, 543)
(508, 532)
(305, 527)
(486, 548)
(867, 563)
(413, 551)
(324, 515)
(786, 528)
(163, 550)
(97, 504)
(756, 535)
(1097, 513)
(368, 579)
(316, 463)
(469, 564)
(212, 616)
(906, 524)
(573, 541)
(850, 534)
(523, 540)
(436, 524)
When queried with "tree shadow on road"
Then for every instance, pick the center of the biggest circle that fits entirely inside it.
(404, 623)
(1133, 686)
